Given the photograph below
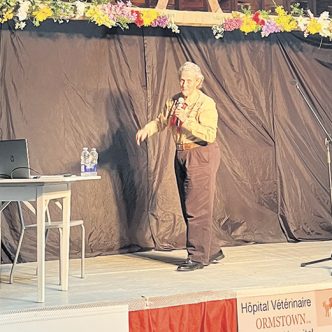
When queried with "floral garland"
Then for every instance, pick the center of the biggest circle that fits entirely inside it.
(121, 14)
(261, 21)
(100, 12)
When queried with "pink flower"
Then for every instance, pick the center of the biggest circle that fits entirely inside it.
(231, 24)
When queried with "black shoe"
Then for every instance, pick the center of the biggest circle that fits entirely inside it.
(190, 265)
(216, 258)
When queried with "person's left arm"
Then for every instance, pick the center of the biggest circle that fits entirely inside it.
(204, 125)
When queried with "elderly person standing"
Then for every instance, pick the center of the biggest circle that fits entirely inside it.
(192, 117)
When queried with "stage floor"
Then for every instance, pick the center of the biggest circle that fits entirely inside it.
(149, 280)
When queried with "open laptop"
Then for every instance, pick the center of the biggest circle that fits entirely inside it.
(14, 159)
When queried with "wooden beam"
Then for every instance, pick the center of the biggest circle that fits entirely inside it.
(213, 4)
(194, 18)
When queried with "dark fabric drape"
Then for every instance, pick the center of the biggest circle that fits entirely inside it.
(73, 85)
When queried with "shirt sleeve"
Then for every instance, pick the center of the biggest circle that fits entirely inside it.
(161, 121)
(204, 126)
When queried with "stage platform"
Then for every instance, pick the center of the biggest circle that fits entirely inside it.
(148, 280)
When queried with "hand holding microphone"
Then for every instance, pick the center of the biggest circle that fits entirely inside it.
(180, 103)
(179, 111)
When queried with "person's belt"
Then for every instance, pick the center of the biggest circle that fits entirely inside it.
(188, 146)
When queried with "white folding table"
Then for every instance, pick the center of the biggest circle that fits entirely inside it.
(42, 190)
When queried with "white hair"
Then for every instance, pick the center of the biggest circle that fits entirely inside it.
(190, 66)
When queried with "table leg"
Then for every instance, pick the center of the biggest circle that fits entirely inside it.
(41, 206)
(65, 241)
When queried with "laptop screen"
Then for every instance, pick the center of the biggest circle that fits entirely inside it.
(14, 160)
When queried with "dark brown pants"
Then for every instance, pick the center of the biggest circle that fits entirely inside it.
(195, 171)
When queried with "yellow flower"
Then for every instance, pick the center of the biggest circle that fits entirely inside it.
(91, 12)
(149, 16)
(98, 16)
(286, 23)
(8, 15)
(314, 26)
(248, 25)
(42, 13)
(280, 11)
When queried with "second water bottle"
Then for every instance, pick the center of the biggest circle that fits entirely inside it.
(85, 162)
(93, 161)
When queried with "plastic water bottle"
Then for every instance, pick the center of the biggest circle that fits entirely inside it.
(93, 161)
(85, 162)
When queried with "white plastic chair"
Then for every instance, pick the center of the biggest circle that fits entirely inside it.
(48, 226)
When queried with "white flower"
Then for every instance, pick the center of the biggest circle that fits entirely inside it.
(22, 12)
(20, 25)
(311, 15)
(218, 31)
(173, 26)
(80, 8)
(324, 21)
(324, 15)
(302, 22)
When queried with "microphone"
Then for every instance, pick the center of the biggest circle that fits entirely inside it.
(180, 102)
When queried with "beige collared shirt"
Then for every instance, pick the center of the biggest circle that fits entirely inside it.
(200, 125)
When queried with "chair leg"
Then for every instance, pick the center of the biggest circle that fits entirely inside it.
(20, 214)
(46, 234)
(83, 252)
(11, 276)
(3, 205)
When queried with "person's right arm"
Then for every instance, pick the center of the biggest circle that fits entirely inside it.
(156, 125)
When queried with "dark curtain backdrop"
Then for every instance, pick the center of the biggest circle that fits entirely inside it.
(73, 85)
